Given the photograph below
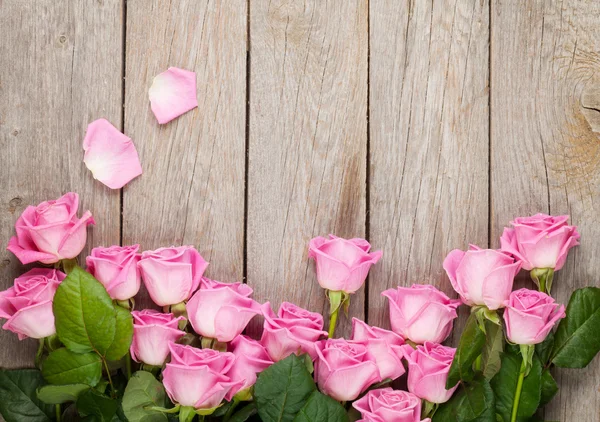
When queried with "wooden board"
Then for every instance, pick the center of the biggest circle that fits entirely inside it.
(60, 68)
(192, 189)
(545, 155)
(308, 142)
(429, 140)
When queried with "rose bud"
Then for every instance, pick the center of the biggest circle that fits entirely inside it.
(388, 405)
(530, 315)
(51, 231)
(481, 276)
(342, 265)
(172, 274)
(195, 377)
(421, 313)
(251, 358)
(344, 369)
(152, 333)
(385, 346)
(116, 268)
(540, 241)
(221, 310)
(292, 330)
(27, 305)
(428, 367)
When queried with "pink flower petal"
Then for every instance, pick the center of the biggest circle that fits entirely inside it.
(173, 93)
(110, 155)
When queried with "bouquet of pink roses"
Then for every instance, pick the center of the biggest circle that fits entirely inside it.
(99, 359)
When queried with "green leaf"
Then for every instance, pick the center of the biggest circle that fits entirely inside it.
(505, 382)
(57, 394)
(65, 367)
(144, 391)
(123, 334)
(543, 349)
(549, 388)
(494, 346)
(472, 402)
(321, 408)
(469, 348)
(244, 414)
(93, 404)
(18, 399)
(282, 390)
(84, 314)
(577, 338)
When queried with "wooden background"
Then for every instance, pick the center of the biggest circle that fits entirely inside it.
(421, 125)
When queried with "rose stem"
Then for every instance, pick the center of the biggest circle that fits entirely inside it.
(333, 321)
(518, 393)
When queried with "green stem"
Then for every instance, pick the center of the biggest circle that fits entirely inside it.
(231, 409)
(333, 322)
(39, 354)
(57, 409)
(112, 387)
(128, 365)
(477, 363)
(515, 408)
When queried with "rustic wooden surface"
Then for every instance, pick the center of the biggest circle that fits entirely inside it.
(420, 125)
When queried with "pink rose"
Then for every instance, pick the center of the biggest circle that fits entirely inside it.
(27, 305)
(421, 313)
(344, 369)
(251, 358)
(530, 315)
(51, 231)
(387, 405)
(172, 274)
(342, 265)
(116, 268)
(385, 346)
(152, 333)
(540, 241)
(195, 377)
(221, 310)
(428, 367)
(292, 330)
(481, 276)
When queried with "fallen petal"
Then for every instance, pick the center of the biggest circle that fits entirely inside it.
(173, 93)
(110, 155)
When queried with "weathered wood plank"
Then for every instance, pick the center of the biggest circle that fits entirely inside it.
(192, 189)
(429, 139)
(307, 152)
(60, 69)
(545, 155)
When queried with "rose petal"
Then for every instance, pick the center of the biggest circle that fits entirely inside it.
(172, 94)
(110, 155)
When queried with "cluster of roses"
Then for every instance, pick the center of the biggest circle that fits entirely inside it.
(227, 365)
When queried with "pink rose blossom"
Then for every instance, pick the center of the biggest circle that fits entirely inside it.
(481, 276)
(540, 241)
(172, 274)
(50, 231)
(173, 92)
(388, 405)
(344, 369)
(530, 315)
(221, 310)
(428, 367)
(292, 330)
(342, 265)
(385, 346)
(116, 268)
(110, 155)
(251, 358)
(27, 305)
(152, 333)
(421, 313)
(195, 377)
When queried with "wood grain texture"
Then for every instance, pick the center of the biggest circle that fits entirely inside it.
(308, 139)
(192, 189)
(545, 59)
(60, 68)
(429, 140)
